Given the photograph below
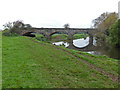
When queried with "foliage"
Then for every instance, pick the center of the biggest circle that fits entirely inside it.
(66, 26)
(14, 28)
(114, 31)
(58, 37)
(40, 37)
(28, 64)
(78, 36)
(102, 23)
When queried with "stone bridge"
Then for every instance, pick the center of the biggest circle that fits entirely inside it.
(48, 32)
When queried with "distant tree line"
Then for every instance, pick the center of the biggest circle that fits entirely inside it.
(14, 28)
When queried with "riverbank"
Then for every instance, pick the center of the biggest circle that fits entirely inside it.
(81, 40)
(29, 63)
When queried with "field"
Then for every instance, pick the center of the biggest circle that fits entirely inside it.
(29, 63)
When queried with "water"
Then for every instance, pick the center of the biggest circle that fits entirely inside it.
(81, 42)
(83, 45)
(61, 43)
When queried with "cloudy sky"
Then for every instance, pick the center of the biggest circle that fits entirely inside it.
(55, 13)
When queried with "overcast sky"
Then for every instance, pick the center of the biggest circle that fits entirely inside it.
(55, 13)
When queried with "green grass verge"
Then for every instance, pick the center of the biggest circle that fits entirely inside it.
(27, 64)
(78, 36)
(57, 37)
(0, 60)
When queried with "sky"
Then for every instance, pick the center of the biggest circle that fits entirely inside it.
(55, 13)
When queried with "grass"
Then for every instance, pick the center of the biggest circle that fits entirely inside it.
(26, 64)
(77, 36)
(39, 35)
(0, 60)
(58, 37)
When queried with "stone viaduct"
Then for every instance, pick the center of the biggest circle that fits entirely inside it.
(48, 32)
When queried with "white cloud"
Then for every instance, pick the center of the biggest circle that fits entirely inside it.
(55, 13)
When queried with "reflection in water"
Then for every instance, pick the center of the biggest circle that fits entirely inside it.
(61, 43)
(81, 42)
(94, 52)
(98, 50)
(94, 42)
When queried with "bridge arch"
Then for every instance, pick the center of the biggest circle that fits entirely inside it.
(29, 34)
(89, 35)
(63, 32)
(33, 35)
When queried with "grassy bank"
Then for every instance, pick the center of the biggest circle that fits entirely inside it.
(57, 37)
(28, 63)
(0, 60)
(78, 36)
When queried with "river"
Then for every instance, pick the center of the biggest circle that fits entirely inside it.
(83, 45)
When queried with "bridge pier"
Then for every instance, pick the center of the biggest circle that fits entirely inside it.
(48, 37)
(70, 36)
(90, 39)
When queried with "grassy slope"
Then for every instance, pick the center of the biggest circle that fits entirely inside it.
(27, 64)
(0, 59)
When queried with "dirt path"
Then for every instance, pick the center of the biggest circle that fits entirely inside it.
(113, 77)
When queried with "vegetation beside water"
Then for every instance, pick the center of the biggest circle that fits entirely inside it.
(59, 37)
(114, 31)
(78, 36)
(108, 29)
(30, 63)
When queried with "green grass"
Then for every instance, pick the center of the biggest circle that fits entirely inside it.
(77, 36)
(65, 36)
(0, 60)
(57, 37)
(39, 35)
(26, 64)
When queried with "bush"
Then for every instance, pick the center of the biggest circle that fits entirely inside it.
(42, 39)
(8, 33)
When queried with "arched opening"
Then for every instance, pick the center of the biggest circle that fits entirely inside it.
(41, 36)
(82, 39)
(80, 35)
(29, 34)
(56, 36)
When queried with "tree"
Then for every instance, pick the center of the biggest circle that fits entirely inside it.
(102, 24)
(15, 27)
(66, 26)
(27, 26)
(114, 37)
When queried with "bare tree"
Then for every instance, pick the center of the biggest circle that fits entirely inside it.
(66, 26)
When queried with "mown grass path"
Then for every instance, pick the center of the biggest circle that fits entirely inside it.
(113, 76)
(27, 64)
